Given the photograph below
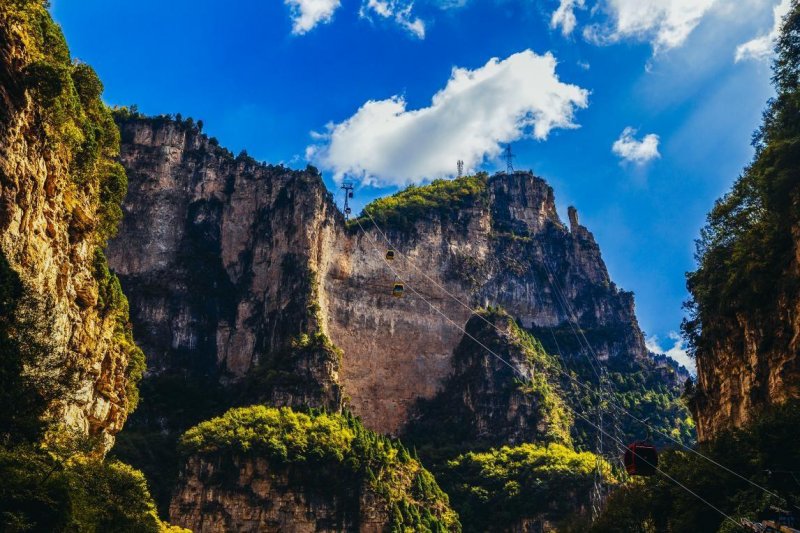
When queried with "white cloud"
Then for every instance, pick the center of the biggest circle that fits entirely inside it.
(385, 143)
(665, 24)
(306, 14)
(397, 10)
(677, 352)
(760, 48)
(630, 149)
(564, 16)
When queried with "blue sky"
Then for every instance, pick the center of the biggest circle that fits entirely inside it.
(638, 112)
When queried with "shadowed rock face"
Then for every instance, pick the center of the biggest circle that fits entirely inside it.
(225, 261)
(247, 494)
(219, 257)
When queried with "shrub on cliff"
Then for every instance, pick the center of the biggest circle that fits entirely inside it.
(338, 455)
(501, 488)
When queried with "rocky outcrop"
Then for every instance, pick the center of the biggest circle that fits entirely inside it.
(248, 495)
(59, 195)
(504, 246)
(744, 312)
(267, 469)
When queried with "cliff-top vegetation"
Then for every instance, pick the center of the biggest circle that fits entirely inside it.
(337, 454)
(442, 198)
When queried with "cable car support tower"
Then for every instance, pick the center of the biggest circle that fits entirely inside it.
(347, 187)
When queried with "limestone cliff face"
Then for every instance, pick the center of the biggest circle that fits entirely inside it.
(756, 365)
(227, 262)
(220, 258)
(247, 494)
(505, 246)
(57, 145)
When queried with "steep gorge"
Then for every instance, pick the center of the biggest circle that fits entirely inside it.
(247, 285)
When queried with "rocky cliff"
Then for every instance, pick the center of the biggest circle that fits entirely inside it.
(487, 402)
(220, 257)
(744, 327)
(227, 262)
(65, 320)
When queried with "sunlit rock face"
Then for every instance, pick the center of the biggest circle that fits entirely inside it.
(227, 262)
(50, 217)
(753, 367)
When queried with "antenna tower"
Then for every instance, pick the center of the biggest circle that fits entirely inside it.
(460, 166)
(508, 155)
(347, 187)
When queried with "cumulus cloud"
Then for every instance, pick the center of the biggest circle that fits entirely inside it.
(665, 24)
(306, 14)
(564, 16)
(636, 151)
(385, 143)
(677, 352)
(398, 11)
(760, 48)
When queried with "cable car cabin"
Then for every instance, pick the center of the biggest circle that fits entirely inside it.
(390, 255)
(397, 291)
(641, 459)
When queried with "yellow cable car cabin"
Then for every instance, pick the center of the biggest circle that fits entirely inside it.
(397, 291)
(390, 255)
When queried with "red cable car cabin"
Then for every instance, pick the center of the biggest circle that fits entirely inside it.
(641, 459)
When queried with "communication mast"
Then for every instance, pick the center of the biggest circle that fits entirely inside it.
(460, 166)
(347, 187)
(508, 155)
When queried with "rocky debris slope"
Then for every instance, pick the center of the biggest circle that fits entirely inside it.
(60, 189)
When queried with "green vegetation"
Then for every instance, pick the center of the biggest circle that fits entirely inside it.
(443, 198)
(545, 384)
(746, 249)
(640, 387)
(58, 487)
(494, 491)
(32, 375)
(334, 454)
(767, 453)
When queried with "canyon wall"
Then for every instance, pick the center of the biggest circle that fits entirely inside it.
(220, 259)
(226, 261)
(60, 189)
